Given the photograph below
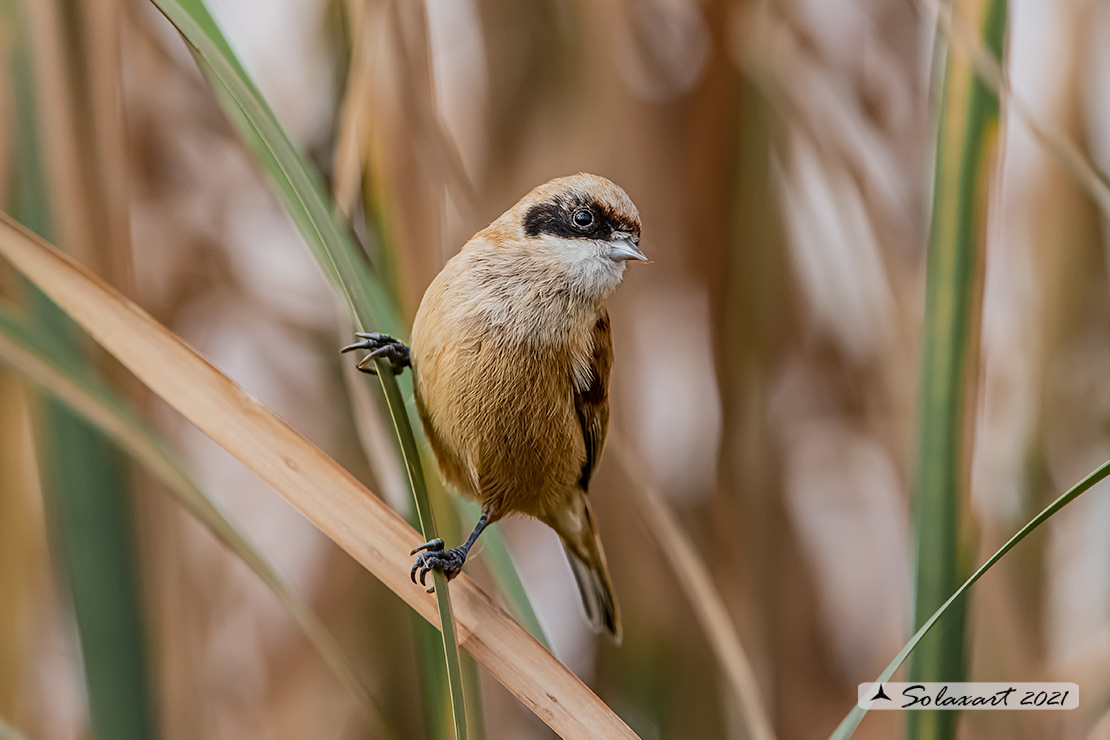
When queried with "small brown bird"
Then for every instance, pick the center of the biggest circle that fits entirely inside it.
(511, 352)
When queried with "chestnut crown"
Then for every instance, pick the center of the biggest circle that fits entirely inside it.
(581, 206)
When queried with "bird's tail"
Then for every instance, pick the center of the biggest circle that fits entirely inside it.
(591, 572)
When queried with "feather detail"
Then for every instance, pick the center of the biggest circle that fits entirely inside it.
(591, 399)
(591, 574)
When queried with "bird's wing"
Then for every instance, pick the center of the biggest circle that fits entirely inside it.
(592, 400)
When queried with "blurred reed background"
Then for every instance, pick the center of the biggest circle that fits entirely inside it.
(768, 361)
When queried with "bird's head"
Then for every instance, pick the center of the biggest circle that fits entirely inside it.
(584, 226)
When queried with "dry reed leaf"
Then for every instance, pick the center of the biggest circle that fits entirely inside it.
(704, 598)
(994, 75)
(77, 90)
(22, 549)
(147, 450)
(325, 493)
(351, 128)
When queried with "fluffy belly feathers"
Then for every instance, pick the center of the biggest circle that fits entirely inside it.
(490, 425)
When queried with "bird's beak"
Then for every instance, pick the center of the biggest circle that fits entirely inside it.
(623, 247)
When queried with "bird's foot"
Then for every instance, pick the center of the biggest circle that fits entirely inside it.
(433, 557)
(384, 346)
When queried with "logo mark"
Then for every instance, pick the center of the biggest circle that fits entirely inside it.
(880, 694)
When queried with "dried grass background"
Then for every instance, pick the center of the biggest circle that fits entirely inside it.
(780, 154)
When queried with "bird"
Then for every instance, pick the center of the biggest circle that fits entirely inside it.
(511, 352)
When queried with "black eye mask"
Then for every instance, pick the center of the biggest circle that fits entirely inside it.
(558, 218)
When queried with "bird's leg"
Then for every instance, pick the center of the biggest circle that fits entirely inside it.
(433, 557)
(384, 346)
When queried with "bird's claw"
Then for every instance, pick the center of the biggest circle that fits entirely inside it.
(435, 545)
(383, 346)
(433, 557)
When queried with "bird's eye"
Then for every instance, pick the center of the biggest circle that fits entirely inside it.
(583, 218)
